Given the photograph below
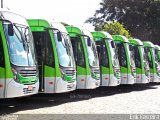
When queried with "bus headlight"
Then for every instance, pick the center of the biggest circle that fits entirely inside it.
(95, 75)
(63, 75)
(116, 71)
(158, 72)
(15, 73)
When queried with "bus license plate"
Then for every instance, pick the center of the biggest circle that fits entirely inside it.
(30, 88)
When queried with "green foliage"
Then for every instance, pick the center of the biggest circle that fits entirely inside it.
(116, 28)
(140, 17)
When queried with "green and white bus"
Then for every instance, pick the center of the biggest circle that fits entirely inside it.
(86, 57)
(57, 70)
(141, 62)
(18, 65)
(150, 52)
(157, 58)
(126, 60)
(108, 59)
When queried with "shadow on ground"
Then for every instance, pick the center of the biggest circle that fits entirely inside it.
(9, 106)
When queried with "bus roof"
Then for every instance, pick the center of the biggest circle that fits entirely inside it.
(157, 47)
(101, 34)
(87, 33)
(148, 44)
(13, 17)
(2, 10)
(73, 31)
(120, 38)
(136, 42)
(40, 24)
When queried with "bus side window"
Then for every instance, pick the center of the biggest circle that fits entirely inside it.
(2, 62)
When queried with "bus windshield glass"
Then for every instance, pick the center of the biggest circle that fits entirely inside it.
(92, 52)
(157, 55)
(20, 45)
(114, 56)
(131, 52)
(64, 49)
(145, 58)
(21, 52)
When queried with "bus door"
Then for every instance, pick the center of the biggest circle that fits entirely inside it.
(79, 57)
(123, 62)
(40, 54)
(103, 58)
(99, 50)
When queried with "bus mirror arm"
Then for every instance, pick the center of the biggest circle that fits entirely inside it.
(89, 42)
(10, 27)
(59, 34)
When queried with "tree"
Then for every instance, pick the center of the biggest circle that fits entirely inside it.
(115, 28)
(140, 17)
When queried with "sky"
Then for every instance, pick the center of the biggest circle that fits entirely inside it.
(73, 12)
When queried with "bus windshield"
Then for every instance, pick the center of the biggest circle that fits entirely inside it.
(64, 49)
(114, 56)
(20, 45)
(131, 52)
(157, 56)
(92, 53)
(145, 58)
(149, 56)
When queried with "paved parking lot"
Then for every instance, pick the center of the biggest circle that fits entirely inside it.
(120, 100)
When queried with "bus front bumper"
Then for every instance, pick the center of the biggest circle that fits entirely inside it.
(14, 89)
(110, 80)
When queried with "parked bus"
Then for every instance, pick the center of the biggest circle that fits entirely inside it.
(108, 59)
(18, 66)
(141, 62)
(150, 52)
(57, 70)
(126, 60)
(157, 59)
(86, 57)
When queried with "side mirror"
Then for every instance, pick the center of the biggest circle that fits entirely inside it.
(156, 64)
(10, 30)
(98, 49)
(147, 50)
(59, 36)
(88, 41)
(113, 44)
(130, 47)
